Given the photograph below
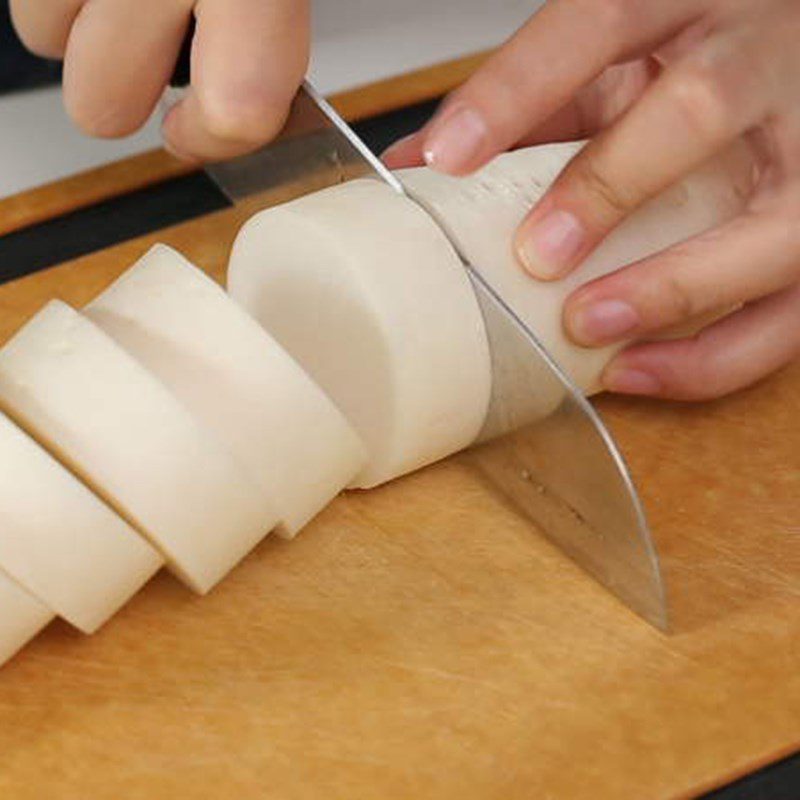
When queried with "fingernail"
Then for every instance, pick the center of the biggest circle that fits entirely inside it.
(456, 142)
(631, 381)
(551, 244)
(397, 147)
(602, 322)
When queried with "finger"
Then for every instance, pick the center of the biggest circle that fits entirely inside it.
(249, 57)
(750, 257)
(44, 25)
(567, 124)
(564, 46)
(724, 358)
(688, 114)
(595, 107)
(599, 105)
(404, 153)
(119, 59)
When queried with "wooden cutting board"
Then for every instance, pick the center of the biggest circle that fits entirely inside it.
(421, 640)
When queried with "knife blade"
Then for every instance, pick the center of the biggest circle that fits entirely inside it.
(564, 472)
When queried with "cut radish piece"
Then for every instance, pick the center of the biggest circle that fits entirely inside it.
(60, 542)
(122, 432)
(22, 616)
(236, 379)
(362, 288)
(481, 214)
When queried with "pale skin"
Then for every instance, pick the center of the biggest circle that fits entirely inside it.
(658, 86)
(248, 60)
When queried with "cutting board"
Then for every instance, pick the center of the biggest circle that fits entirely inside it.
(422, 640)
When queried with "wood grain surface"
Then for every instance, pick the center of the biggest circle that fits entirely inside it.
(422, 641)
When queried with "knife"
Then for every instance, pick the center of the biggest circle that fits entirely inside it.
(564, 473)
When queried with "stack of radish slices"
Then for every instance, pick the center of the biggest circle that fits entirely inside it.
(170, 423)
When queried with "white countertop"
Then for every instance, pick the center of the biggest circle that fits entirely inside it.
(355, 42)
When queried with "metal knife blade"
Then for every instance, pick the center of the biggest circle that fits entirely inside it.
(564, 472)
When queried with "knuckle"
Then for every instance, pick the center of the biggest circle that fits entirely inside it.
(42, 46)
(676, 299)
(224, 127)
(601, 188)
(106, 127)
(110, 122)
(246, 123)
(43, 32)
(699, 97)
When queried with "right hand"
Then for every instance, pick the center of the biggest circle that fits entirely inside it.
(248, 59)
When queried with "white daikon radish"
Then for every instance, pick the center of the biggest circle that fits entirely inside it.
(22, 616)
(481, 213)
(233, 376)
(60, 542)
(363, 289)
(124, 434)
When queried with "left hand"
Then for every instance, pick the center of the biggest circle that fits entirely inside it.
(661, 87)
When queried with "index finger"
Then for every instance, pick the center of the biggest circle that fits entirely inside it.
(248, 60)
(562, 48)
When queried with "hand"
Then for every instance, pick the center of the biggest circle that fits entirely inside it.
(661, 87)
(248, 59)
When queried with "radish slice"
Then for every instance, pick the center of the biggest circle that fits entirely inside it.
(236, 379)
(22, 616)
(481, 214)
(60, 542)
(361, 287)
(124, 434)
